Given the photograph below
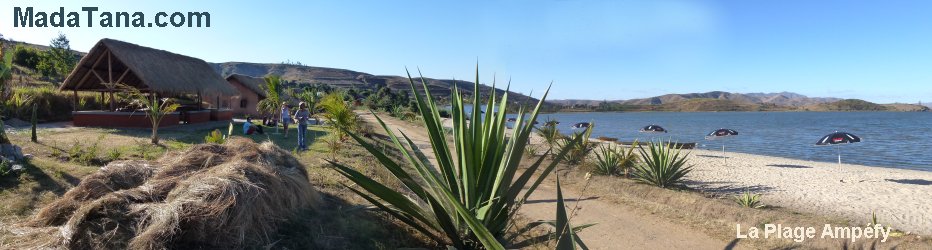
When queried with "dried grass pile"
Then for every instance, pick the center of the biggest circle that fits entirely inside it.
(209, 196)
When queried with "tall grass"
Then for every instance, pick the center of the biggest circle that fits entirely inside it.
(471, 196)
(663, 165)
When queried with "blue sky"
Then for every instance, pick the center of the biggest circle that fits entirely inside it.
(877, 51)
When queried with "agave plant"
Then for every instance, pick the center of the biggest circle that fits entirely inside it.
(662, 166)
(749, 200)
(607, 160)
(578, 150)
(550, 133)
(470, 196)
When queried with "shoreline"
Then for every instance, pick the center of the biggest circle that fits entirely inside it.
(899, 197)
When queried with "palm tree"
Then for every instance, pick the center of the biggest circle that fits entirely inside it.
(155, 110)
(272, 104)
(338, 113)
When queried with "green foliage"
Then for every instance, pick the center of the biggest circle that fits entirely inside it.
(749, 200)
(215, 137)
(663, 166)
(579, 150)
(58, 61)
(114, 154)
(34, 122)
(550, 133)
(339, 114)
(273, 99)
(530, 151)
(155, 110)
(385, 99)
(52, 105)
(471, 196)
(27, 57)
(311, 97)
(85, 155)
(611, 160)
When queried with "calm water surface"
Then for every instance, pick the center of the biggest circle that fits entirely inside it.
(889, 139)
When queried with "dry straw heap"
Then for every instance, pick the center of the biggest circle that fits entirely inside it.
(209, 196)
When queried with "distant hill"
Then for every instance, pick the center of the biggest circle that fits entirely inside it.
(726, 101)
(861, 105)
(348, 78)
(779, 99)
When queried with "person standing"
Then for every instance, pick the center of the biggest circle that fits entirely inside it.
(300, 117)
(285, 117)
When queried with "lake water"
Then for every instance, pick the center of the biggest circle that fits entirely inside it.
(889, 139)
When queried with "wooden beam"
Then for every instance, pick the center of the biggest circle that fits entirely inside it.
(99, 77)
(83, 79)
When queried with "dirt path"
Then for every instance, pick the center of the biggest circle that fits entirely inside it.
(619, 226)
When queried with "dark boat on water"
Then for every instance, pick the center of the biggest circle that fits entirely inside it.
(581, 125)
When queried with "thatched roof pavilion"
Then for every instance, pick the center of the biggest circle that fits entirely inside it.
(149, 70)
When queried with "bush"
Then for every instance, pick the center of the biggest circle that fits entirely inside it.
(663, 166)
(26, 56)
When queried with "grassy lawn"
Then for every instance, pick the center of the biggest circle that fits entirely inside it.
(343, 221)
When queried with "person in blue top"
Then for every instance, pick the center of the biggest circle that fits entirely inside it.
(251, 129)
(285, 117)
(300, 117)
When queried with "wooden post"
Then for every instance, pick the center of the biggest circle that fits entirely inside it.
(111, 86)
(102, 98)
(75, 100)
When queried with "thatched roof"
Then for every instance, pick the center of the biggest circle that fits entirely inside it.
(252, 83)
(147, 69)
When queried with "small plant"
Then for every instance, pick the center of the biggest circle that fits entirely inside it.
(114, 154)
(85, 156)
(663, 166)
(550, 133)
(749, 200)
(530, 151)
(608, 161)
(215, 137)
(578, 149)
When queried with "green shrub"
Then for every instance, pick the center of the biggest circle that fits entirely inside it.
(215, 137)
(749, 200)
(662, 166)
(470, 198)
(26, 56)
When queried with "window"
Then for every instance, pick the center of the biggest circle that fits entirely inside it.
(243, 103)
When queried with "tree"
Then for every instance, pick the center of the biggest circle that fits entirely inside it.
(58, 61)
(338, 113)
(272, 104)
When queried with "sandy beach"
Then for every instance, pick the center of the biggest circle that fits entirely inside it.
(900, 198)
